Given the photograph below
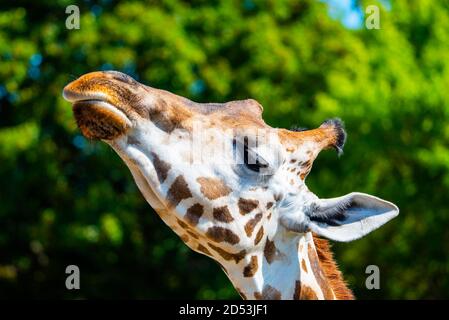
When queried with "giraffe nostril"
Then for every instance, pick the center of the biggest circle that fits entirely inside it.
(120, 76)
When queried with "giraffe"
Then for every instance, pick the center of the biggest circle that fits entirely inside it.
(254, 215)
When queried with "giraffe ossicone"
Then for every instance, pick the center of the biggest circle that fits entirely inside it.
(230, 186)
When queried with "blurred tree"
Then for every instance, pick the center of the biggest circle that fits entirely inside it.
(65, 200)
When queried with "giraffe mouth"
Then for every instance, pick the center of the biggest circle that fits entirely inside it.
(96, 117)
(96, 105)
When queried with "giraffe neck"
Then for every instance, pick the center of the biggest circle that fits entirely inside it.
(287, 268)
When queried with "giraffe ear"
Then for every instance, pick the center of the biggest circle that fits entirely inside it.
(349, 217)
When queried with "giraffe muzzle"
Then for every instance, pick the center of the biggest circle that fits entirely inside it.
(97, 106)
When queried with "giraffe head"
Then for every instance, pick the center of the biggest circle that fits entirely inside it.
(232, 187)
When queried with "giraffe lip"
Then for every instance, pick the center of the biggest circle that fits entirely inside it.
(99, 119)
(89, 100)
(73, 94)
(101, 105)
(99, 99)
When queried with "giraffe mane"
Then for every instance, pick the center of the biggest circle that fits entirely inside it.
(330, 269)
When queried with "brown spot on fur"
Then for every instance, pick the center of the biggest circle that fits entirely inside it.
(268, 293)
(213, 188)
(270, 252)
(251, 269)
(269, 216)
(178, 191)
(259, 236)
(220, 234)
(293, 160)
(193, 235)
(161, 167)
(318, 273)
(306, 164)
(194, 214)
(304, 266)
(269, 205)
(185, 238)
(222, 214)
(168, 117)
(303, 292)
(247, 205)
(333, 275)
(302, 175)
(161, 118)
(251, 224)
(203, 249)
(182, 224)
(227, 255)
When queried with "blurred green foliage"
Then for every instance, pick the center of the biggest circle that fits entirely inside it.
(65, 200)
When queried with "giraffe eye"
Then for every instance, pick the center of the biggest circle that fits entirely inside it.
(252, 160)
(249, 160)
